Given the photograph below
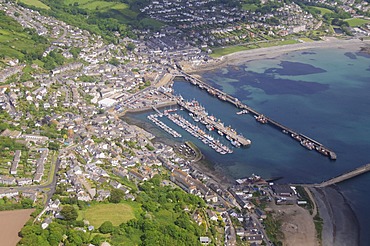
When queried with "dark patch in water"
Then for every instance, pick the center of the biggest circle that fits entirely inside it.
(308, 53)
(350, 55)
(368, 69)
(295, 68)
(274, 86)
(363, 54)
(268, 83)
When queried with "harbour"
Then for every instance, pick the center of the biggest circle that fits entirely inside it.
(305, 141)
(316, 114)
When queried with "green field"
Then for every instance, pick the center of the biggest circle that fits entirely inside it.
(306, 39)
(35, 3)
(98, 213)
(97, 5)
(278, 42)
(323, 10)
(250, 7)
(217, 52)
(80, 2)
(356, 22)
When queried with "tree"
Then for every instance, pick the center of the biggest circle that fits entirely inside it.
(53, 146)
(69, 213)
(74, 237)
(116, 195)
(56, 232)
(131, 46)
(114, 61)
(97, 240)
(106, 227)
(27, 203)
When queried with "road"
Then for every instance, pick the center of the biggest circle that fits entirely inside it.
(48, 187)
(261, 228)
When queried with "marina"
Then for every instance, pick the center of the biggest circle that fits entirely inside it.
(154, 118)
(211, 123)
(200, 134)
(200, 114)
(304, 141)
(193, 129)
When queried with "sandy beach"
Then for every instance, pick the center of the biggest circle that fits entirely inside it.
(241, 57)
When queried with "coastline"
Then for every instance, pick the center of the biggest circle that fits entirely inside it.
(244, 56)
(341, 226)
(340, 223)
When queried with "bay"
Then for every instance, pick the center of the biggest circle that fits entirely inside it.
(322, 93)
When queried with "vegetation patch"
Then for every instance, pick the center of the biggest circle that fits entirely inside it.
(323, 10)
(96, 214)
(98, 5)
(217, 52)
(353, 22)
(273, 229)
(250, 7)
(221, 51)
(306, 39)
(77, 2)
(35, 3)
(17, 42)
(318, 225)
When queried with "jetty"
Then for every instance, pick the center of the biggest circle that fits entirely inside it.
(154, 118)
(348, 175)
(158, 112)
(305, 141)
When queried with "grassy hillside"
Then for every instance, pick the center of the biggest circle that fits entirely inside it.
(16, 42)
(102, 17)
(96, 4)
(35, 3)
(353, 22)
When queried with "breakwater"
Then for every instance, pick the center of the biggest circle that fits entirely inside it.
(348, 175)
(304, 140)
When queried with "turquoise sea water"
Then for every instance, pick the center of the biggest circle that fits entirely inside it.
(322, 93)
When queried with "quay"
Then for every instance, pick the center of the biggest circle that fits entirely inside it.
(158, 112)
(305, 141)
(348, 175)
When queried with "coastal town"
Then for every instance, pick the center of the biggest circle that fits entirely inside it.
(64, 134)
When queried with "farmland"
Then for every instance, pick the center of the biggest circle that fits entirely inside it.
(11, 222)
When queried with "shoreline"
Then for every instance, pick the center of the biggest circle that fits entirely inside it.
(244, 56)
(340, 223)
